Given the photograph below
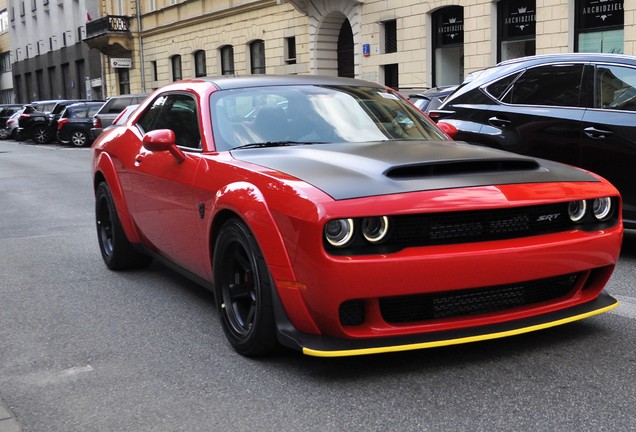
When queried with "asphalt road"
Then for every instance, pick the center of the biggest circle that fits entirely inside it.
(86, 349)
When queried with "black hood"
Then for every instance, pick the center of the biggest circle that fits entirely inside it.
(355, 170)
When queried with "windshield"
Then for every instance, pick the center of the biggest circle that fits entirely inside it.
(288, 115)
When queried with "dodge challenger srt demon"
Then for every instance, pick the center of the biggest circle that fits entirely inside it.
(331, 216)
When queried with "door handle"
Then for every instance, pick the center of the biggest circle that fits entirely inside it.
(594, 133)
(502, 123)
(139, 159)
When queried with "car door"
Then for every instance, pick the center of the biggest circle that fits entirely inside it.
(165, 205)
(609, 131)
(538, 113)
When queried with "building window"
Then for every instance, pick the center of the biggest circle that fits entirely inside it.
(34, 5)
(391, 76)
(599, 26)
(153, 69)
(199, 64)
(389, 34)
(5, 61)
(175, 60)
(516, 28)
(66, 79)
(21, 8)
(227, 60)
(152, 5)
(4, 21)
(52, 81)
(257, 57)
(290, 50)
(448, 46)
(123, 76)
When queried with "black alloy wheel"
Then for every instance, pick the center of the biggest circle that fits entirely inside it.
(243, 291)
(118, 253)
(40, 135)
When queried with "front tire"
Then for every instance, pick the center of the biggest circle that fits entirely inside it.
(117, 252)
(243, 287)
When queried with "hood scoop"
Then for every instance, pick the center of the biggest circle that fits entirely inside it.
(460, 167)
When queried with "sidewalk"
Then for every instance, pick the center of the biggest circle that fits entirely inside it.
(8, 423)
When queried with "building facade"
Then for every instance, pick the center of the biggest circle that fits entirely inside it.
(50, 61)
(401, 43)
(6, 79)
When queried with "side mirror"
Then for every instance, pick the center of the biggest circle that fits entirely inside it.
(163, 140)
(448, 129)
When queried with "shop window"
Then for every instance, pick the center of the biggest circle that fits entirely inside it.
(448, 46)
(516, 28)
(599, 26)
(257, 57)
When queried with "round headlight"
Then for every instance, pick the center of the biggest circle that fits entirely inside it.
(374, 229)
(602, 208)
(339, 232)
(577, 210)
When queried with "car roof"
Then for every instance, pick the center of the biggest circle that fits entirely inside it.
(232, 82)
(565, 57)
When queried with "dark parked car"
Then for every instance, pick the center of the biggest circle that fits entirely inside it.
(111, 109)
(34, 121)
(431, 98)
(574, 108)
(6, 111)
(75, 122)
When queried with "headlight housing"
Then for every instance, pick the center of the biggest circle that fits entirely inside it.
(339, 232)
(577, 210)
(375, 229)
(602, 208)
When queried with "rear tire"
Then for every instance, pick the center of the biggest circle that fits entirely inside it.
(118, 253)
(79, 138)
(243, 287)
(40, 135)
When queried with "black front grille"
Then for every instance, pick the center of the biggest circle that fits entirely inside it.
(470, 226)
(453, 304)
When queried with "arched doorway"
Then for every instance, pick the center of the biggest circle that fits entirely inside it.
(345, 51)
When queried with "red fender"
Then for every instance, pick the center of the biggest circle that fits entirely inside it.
(105, 166)
(247, 201)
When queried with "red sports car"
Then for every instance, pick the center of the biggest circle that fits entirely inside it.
(331, 216)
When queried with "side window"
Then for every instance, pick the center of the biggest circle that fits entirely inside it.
(499, 88)
(552, 85)
(615, 88)
(177, 112)
(118, 104)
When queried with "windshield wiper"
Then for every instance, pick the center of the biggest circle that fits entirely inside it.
(275, 144)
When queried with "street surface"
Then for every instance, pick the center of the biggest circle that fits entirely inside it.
(83, 348)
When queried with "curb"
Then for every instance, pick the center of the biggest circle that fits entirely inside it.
(8, 422)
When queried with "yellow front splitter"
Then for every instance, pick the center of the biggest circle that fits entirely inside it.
(327, 347)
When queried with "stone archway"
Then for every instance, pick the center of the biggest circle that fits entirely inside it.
(331, 21)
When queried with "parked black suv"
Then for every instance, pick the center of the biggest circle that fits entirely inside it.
(75, 122)
(574, 108)
(34, 121)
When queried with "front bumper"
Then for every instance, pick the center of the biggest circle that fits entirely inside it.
(320, 346)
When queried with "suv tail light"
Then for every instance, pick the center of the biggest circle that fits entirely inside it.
(97, 123)
(61, 122)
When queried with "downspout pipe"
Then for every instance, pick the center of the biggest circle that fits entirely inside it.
(141, 49)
